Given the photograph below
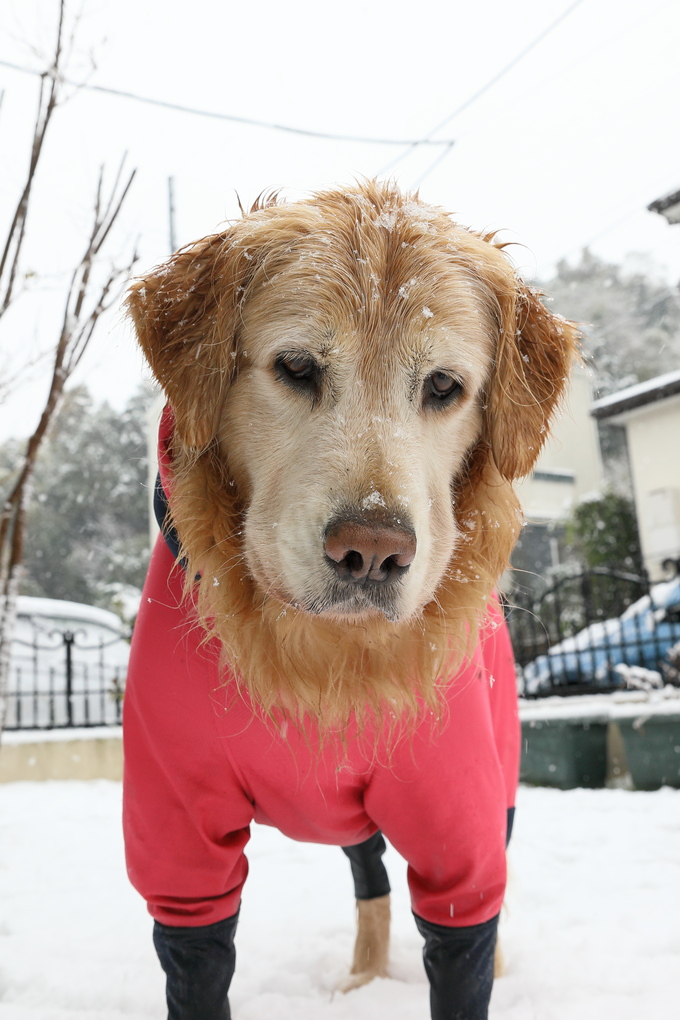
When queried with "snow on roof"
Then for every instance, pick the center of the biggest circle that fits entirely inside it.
(58, 609)
(664, 203)
(637, 396)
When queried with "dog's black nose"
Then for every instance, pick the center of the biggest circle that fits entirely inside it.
(369, 553)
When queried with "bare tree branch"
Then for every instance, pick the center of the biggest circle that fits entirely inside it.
(50, 83)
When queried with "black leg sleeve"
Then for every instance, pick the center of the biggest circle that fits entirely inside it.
(459, 965)
(199, 965)
(511, 821)
(368, 871)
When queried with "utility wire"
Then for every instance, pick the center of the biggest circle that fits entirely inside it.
(273, 126)
(440, 159)
(609, 226)
(479, 93)
(580, 58)
(508, 67)
(234, 118)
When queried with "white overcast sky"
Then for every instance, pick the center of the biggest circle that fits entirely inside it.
(565, 150)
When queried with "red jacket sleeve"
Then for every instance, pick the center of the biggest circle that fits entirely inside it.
(186, 816)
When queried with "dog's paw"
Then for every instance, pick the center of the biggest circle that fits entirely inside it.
(353, 981)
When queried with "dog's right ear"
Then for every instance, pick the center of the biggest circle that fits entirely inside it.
(186, 316)
(536, 353)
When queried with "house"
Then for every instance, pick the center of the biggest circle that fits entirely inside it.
(668, 207)
(568, 469)
(650, 414)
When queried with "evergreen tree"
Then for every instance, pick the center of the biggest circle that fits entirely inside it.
(87, 529)
(604, 533)
(631, 320)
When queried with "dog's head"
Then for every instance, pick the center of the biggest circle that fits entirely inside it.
(355, 379)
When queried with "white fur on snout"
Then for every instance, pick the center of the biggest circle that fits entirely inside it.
(327, 475)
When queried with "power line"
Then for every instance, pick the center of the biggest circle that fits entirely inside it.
(440, 159)
(480, 92)
(234, 118)
(569, 67)
(508, 67)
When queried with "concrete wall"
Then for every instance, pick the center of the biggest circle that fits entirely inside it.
(73, 754)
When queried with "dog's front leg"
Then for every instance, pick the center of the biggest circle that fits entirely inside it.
(199, 965)
(372, 891)
(459, 963)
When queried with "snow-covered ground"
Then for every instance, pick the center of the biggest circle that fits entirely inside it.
(591, 932)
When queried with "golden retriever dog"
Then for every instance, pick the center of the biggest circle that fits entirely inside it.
(354, 382)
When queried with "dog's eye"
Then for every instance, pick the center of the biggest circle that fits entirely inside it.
(297, 367)
(298, 370)
(441, 388)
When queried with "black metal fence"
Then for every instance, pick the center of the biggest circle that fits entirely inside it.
(580, 635)
(60, 679)
(583, 632)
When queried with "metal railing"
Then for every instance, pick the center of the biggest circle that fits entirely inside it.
(569, 639)
(582, 633)
(77, 688)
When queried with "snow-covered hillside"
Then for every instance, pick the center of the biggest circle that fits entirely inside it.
(591, 927)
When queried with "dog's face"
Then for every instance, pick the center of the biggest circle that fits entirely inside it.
(358, 394)
(355, 382)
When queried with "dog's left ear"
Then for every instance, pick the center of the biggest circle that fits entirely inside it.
(533, 364)
(185, 313)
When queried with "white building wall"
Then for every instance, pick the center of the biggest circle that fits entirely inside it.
(570, 465)
(654, 450)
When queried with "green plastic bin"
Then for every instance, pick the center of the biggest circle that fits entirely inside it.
(565, 753)
(653, 750)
